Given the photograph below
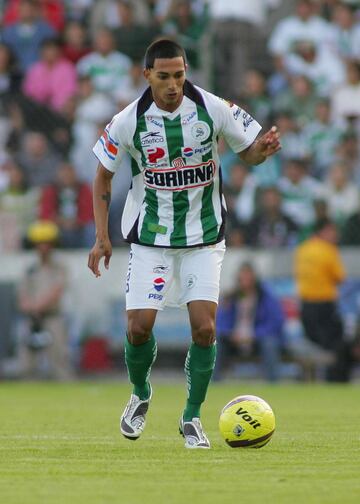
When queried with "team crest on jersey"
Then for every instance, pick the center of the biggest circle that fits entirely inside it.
(191, 281)
(149, 138)
(200, 131)
(178, 179)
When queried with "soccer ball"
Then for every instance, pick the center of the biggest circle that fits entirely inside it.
(247, 422)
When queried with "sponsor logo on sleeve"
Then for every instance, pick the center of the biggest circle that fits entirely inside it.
(247, 120)
(236, 113)
(110, 145)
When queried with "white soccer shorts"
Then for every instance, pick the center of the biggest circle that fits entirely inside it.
(159, 277)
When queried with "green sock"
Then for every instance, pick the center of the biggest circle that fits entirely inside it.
(139, 359)
(199, 365)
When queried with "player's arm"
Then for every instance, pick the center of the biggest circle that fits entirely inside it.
(264, 146)
(101, 204)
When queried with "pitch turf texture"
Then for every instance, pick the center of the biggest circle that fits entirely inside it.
(60, 443)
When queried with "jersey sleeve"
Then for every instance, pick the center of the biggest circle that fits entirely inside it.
(232, 122)
(112, 145)
(238, 127)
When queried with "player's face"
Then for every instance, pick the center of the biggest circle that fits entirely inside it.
(166, 79)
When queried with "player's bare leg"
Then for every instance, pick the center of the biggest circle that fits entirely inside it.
(199, 365)
(140, 353)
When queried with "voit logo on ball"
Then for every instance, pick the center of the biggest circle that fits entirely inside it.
(159, 284)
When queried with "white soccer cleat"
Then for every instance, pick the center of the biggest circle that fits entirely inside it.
(132, 421)
(194, 434)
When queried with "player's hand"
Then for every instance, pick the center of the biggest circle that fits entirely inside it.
(269, 143)
(102, 248)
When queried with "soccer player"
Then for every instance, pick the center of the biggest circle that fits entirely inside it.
(174, 219)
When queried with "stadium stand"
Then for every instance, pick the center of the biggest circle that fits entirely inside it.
(296, 65)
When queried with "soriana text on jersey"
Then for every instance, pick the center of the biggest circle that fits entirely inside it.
(178, 179)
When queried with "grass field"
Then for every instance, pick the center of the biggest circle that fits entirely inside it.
(60, 444)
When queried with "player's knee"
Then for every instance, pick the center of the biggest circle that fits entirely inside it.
(204, 334)
(138, 333)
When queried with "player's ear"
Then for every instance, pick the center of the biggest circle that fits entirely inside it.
(146, 73)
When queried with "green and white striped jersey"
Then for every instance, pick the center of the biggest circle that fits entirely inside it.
(175, 199)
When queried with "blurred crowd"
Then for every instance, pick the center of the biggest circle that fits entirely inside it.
(66, 67)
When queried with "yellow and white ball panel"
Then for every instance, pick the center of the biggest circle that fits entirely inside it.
(247, 421)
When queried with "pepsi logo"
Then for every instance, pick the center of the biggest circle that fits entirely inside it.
(159, 284)
(187, 151)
